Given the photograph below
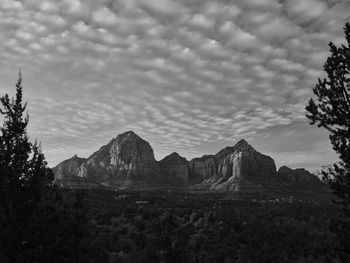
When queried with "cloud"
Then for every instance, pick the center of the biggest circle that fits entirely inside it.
(54, 21)
(75, 10)
(104, 17)
(10, 5)
(305, 11)
(190, 76)
(163, 7)
(282, 30)
(201, 21)
(262, 5)
(49, 7)
(240, 40)
(286, 65)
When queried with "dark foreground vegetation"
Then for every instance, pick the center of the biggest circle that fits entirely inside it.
(168, 226)
(37, 224)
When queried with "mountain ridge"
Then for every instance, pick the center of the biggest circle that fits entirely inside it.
(128, 161)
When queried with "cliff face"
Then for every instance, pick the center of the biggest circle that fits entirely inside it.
(68, 168)
(66, 174)
(175, 168)
(124, 161)
(244, 166)
(128, 161)
(233, 167)
(202, 169)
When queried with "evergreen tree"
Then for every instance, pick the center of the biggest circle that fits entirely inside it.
(36, 225)
(332, 111)
(22, 173)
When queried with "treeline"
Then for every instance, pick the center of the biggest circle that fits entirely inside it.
(190, 228)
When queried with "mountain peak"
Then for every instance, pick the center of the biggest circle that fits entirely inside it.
(75, 158)
(242, 142)
(284, 168)
(173, 156)
(298, 175)
(240, 145)
(175, 167)
(128, 133)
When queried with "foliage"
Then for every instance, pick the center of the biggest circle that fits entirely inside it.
(332, 111)
(36, 223)
(192, 228)
(22, 165)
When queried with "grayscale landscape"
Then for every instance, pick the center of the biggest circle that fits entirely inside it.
(200, 131)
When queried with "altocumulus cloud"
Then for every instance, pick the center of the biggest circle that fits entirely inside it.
(187, 75)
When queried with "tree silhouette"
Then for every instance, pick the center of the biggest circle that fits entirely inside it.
(36, 225)
(332, 111)
(23, 173)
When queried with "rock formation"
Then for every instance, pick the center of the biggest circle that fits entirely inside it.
(66, 174)
(202, 168)
(233, 168)
(68, 169)
(297, 176)
(125, 161)
(128, 161)
(175, 168)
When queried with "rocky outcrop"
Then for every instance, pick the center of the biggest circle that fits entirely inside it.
(244, 166)
(66, 174)
(175, 168)
(126, 160)
(68, 169)
(202, 168)
(298, 176)
(234, 167)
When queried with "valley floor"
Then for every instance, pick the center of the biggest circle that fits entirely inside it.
(182, 226)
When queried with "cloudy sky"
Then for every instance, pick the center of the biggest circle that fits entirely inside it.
(190, 76)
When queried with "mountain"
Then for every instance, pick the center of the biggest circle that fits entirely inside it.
(298, 176)
(68, 168)
(234, 168)
(175, 168)
(66, 174)
(128, 161)
(125, 161)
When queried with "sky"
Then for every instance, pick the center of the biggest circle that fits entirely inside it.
(190, 76)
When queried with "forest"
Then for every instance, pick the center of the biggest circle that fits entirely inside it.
(188, 227)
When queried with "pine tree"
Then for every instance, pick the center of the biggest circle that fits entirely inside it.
(18, 156)
(332, 111)
(22, 173)
(36, 225)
